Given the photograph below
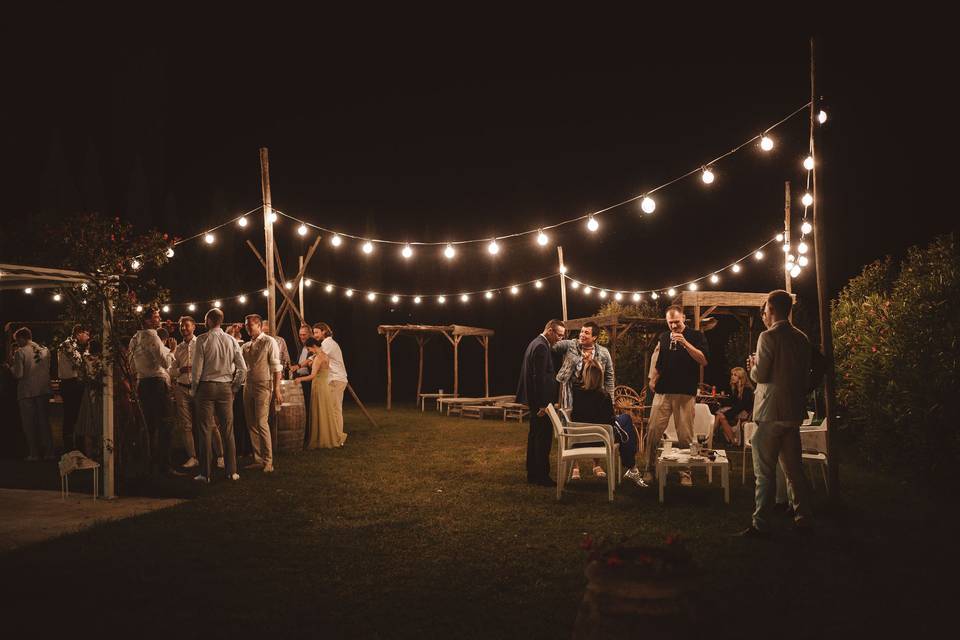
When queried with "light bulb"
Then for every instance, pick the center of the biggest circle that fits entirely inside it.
(779, 237)
(441, 299)
(273, 217)
(407, 251)
(654, 295)
(191, 307)
(216, 303)
(394, 299)
(735, 268)
(368, 247)
(170, 252)
(302, 229)
(587, 290)
(538, 284)
(822, 116)
(563, 269)
(371, 296)
(56, 297)
(349, 293)
(808, 163)
(803, 261)
(766, 143)
(28, 290)
(84, 286)
(449, 252)
(266, 293)
(336, 240)
(671, 292)
(307, 282)
(493, 247)
(692, 286)
(758, 255)
(795, 271)
(288, 285)
(514, 290)
(542, 238)
(464, 298)
(786, 247)
(488, 295)
(618, 296)
(166, 308)
(328, 288)
(242, 299)
(707, 176)
(574, 284)
(802, 247)
(209, 238)
(791, 257)
(636, 297)
(806, 200)
(648, 205)
(714, 278)
(592, 224)
(139, 308)
(806, 227)
(134, 264)
(242, 221)
(416, 300)
(603, 294)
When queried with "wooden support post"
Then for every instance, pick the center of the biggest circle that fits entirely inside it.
(300, 287)
(421, 340)
(390, 335)
(563, 283)
(356, 399)
(268, 236)
(485, 341)
(289, 299)
(613, 344)
(788, 281)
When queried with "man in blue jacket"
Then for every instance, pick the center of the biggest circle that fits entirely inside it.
(537, 389)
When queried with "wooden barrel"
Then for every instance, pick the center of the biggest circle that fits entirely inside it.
(291, 419)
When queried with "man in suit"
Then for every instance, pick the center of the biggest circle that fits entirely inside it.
(781, 369)
(537, 389)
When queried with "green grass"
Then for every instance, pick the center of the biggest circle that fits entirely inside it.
(425, 527)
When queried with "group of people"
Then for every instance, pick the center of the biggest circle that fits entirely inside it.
(581, 382)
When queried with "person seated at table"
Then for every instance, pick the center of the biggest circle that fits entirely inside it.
(741, 397)
(592, 404)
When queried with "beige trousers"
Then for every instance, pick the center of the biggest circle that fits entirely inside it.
(678, 405)
(256, 408)
(187, 421)
(336, 392)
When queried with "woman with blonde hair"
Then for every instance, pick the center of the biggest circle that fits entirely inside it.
(741, 395)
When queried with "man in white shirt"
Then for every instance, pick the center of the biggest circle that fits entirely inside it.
(281, 344)
(262, 358)
(69, 361)
(151, 360)
(338, 371)
(186, 413)
(218, 371)
(31, 368)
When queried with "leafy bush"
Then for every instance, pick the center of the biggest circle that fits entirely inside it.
(897, 350)
(631, 344)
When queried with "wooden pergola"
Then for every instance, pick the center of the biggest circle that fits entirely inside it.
(452, 332)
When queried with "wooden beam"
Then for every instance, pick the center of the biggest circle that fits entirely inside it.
(456, 365)
(360, 404)
(390, 338)
(696, 325)
(421, 340)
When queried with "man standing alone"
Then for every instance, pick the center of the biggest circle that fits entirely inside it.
(537, 389)
(262, 357)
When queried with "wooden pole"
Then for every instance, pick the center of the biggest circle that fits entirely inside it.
(302, 313)
(787, 280)
(268, 236)
(420, 341)
(696, 325)
(486, 366)
(356, 399)
(389, 337)
(456, 366)
(563, 283)
(819, 261)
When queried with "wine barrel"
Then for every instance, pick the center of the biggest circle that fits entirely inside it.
(291, 419)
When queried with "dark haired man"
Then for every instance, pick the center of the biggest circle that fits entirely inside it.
(69, 363)
(185, 403)
(31, 368)
(262, 357)
(151, 360)
(537, 389)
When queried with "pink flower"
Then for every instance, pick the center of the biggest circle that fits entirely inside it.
(613, 560)
(587, 542)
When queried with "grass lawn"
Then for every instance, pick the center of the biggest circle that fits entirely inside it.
(425, 527)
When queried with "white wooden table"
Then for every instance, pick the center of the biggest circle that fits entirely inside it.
(682, 459)
(422, 399)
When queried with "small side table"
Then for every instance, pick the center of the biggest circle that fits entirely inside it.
(86, 464)
(683, 459)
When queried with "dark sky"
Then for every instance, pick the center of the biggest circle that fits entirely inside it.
(398, 132)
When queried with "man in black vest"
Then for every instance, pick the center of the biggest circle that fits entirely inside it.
(674, 377)
(537, 389)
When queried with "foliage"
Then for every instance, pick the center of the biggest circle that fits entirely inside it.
(738, 347)
(897, 351)
(630, 344)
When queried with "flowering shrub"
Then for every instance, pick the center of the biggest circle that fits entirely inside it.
(897, 350)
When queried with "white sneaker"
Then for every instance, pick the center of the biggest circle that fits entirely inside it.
(686, 480)
(268, 468)
(220, 462)
(202, 478)
(190, 464)
(636, 476)
(235, 476)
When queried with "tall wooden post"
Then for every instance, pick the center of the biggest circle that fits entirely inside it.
(268, 238)
(696, 324)
(787, 280)
(456, 366)
(563, 283)
(486, 366)
(390, 335)
(302, 314)
(819, 261)
(420, 341)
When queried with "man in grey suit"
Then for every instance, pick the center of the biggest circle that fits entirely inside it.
(781, 369)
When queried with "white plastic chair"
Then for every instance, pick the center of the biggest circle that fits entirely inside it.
(577, 433)
(813, 441)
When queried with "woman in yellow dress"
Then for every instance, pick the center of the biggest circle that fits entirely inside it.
(323, 430)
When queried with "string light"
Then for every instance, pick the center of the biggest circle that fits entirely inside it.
(802, 247)
(538, 284)
(714, 278)
(574, 284)
(636, 297)
(808, 163)
(779, 237)
(336, 240)
(170, 252)
(371, 296)
(735, 268)
(166, 308)
(692, 286)
(209, 238)
(242, 299)
(449, 252)
(493, 247)
(795, 271)
(273, 216)
(191, 307)
(57, 297)
(464, 298)
(803, 261)
(242, 221)
(488, 295)
(671, 292)
(217, 304)
(416, 300)
(602, 294)
(791, 257)
(806, 227)
(442, 299)
(328, 288)
(766, 142)
(266, 293)
(134, 264)
(758, 255)
(394, 299)
(563, 269)
(807, 200)
(587, 290)
(654, 295)
(307, 282)
(514, 290)
(648, 205)
(368, 247)
(542, 238)
(288, 285)
(139, 308)
(28, 290)
(618, 296)
(407, 251)
(707, 176)
(822, 116)
(592, 224)
(302, 229)
(349, 293)
(786, 247)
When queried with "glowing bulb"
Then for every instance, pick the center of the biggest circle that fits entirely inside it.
(488, 295)
(538, 284)
(592, 224)
(493, 247)
(170, 252)
(806, 228)
(302, 229)
(603, 294)
(758, 255)
(394, 299)
(416, 300)
(636, 297)
(779, 237)
(735, 268)
(803, 261)
(822, 116)
(791, 258)
(28, 290)
(368, 247)
(407, 251)
(574, 284)
(808, 163)
(464, 298)
(328, 288)
(166, 308)
(134, 264)
(563, 269)
(654, 295)
(714, 278)
(648, 205)
(209, 238)
(191, 307)
(56, 297)
(349, 293)
(795, 271)
(242, 299)
(288, 285)
(806, 200)
(542, 239)
(139, 308)
(618, 296)
(307, 282)
(336, 240)
(441, 299)
(514, 290)
(802, 247)
(216, 303)
(273, 217)
(707, 176)
(671, 292)
(266, 293)
(449, 252)
(692, 286)
(242, 221)
(84, 287)
(766, 143)
(371, 296)
(786, 247)
(587, 290)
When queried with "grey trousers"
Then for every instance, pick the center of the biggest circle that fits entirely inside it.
(216, 398)
(187, 420)
(773, 442)
(256, 407)
(35, 420)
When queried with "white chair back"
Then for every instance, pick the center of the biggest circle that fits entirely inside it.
(702, 420)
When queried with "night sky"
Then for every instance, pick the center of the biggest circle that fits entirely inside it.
(410, 135)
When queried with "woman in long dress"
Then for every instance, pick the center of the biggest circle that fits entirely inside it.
(324, 433)
(90, 418)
